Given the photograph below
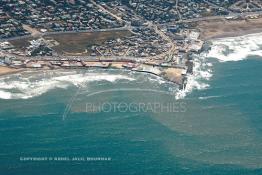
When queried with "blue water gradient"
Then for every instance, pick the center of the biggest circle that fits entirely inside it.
(220, 132)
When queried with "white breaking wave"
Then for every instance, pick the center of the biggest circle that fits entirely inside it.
(21, 87)
(209, 97)
(5, 95)
(202, 72)
(236, 48)
(157, 79)
(225, 49)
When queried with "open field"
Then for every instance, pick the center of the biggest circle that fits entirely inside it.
(224, 28)
(80, 43)
(21, 44)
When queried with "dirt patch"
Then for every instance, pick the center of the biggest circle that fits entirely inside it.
(6, 70)
(226, 28)
(21, 44)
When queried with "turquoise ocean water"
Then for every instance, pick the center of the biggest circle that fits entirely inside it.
(216, 129)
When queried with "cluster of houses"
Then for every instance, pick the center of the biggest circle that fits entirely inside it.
(6, 46)
(120, 8)
(247, 6)
(154, 10)
(144, 42)
(169, 10)
(189, 9)
(239, 5)
(10, 27)
(81, 15)
(38, 47)
(62, 15)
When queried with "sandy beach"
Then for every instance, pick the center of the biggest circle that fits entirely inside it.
(6, 70)
(224, 28)
(174, 74)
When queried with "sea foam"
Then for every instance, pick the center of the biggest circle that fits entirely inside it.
(224, 49)
(26, 86)
(202, 72)
(236, 48)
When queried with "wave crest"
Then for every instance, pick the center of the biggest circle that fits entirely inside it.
(236, 48)
(202, 72)
(35, 85)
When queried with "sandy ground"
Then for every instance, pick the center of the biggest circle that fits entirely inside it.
(7, 70)
(225, 28)
(117, 65)
(174, 74)
(33, 31)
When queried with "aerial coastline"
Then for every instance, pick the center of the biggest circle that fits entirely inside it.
(130, 41)
(209, 30)
(131, 87)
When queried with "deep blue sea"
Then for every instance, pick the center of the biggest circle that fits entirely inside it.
(77, 122)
